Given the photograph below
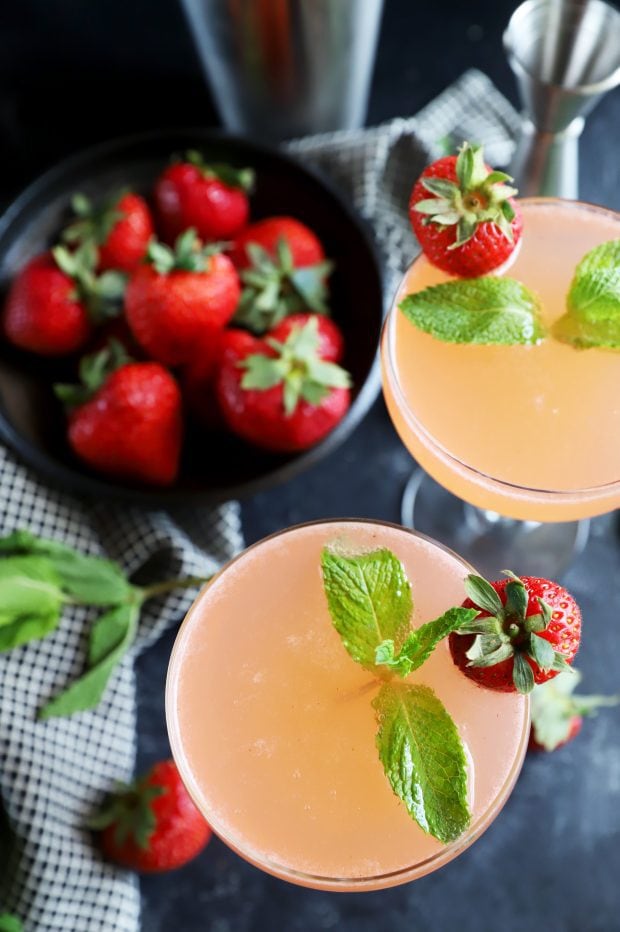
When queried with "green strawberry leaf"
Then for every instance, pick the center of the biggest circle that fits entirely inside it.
(489, 310)
(593, 303)
(522, 674)
(369, 600)
(421, 643)
(423, 758)
(86, 692)
(542, 652)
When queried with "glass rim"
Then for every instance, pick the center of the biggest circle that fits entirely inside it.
(302, 878)
(474, 474)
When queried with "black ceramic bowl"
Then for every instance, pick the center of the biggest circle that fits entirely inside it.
(214, 468)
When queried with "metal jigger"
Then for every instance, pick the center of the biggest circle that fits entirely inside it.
(565, 55)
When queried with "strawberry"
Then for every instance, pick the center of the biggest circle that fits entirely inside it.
(331, 342)
(120, 228)
(152, 825)
(557, 713)
(125, 419)
(281, 395)
(283, 270)
(175, 301)
(213, 199)
(56, 299)
(464, 215)
(526, 632)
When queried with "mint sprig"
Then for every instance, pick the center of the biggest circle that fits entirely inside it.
(489, 310)
(10, 923)
(38, 577)
(423, 758)
(371, 606)
(421, 643)
(592, 318)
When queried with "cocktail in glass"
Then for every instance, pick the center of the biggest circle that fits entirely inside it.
(272, 727)
(526, 432)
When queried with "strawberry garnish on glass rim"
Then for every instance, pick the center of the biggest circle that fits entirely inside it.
(526, 632)
(464, 214)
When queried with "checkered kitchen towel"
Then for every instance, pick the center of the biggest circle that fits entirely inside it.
(52, 773)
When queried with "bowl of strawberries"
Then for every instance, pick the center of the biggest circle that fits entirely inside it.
(184, 315)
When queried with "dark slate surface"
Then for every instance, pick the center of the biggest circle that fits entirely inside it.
(74, 73)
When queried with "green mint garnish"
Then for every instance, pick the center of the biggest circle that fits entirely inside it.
(488, 310)
(369, 600)
(10, 923)
(38, 577)
(593, 303)
(423, 758)
(371, 606)
(421, 643)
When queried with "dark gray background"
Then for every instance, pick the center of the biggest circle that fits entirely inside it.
(74, 72)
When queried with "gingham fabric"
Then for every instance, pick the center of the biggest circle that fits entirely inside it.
(53, 773)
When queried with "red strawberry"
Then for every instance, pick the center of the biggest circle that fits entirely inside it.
(120, 228)
(304, 246)
(526, 632)
(281, 396)
(464, 215)
(331, 342)
(152, 825)
(283, 270)
(176, 301)
(558, 713)
(125, 421)
(210, 198)
(54, 301)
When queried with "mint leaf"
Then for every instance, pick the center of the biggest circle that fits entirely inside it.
(369, 600)
(488, 310)
(106, 650)
(10, 923)
(423, 758)
(421, 643)
(30, 600)
(92, 580)
(28, 628)
(593, 303)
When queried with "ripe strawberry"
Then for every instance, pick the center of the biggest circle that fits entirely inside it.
(152, 825)
(281, 396)
(125, 420)
(557, 713)
(55, 300)
(526, 632)
(464, 215)
(304, 245)
(331, 342)
(283, 270)
(180, 297)
(120, 228)
(210, 198)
